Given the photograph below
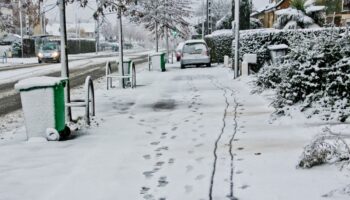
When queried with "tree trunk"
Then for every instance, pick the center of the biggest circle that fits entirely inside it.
(167, 42)
(157, 37)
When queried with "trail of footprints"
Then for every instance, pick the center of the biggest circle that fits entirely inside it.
(159, 150)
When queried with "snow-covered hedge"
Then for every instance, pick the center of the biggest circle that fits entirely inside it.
(76, 46)
(314, 75)
(220, 43)
(257, 41)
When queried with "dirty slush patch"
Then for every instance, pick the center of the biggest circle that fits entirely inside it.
(164, 105)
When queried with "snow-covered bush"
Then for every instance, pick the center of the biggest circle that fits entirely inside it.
(224, 22)
(257, 41)
(315, 74)
(255, 23)
(220, 43)
(326, 147)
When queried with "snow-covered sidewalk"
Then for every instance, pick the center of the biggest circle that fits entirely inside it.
(188, 134)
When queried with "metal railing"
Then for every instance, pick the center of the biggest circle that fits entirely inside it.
(88, 102)
(130, 77)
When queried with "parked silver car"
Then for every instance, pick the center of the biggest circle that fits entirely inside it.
(195, 52)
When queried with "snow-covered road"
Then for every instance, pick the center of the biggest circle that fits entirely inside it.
(192, 134)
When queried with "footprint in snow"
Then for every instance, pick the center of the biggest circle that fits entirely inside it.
(164, 133)
(199, 145)
(160, 163)
(148, 197)
(171, 161)
(155, 143)
(199, 159)
(163, 148)
(200, 177)
(243, 187)
(188, 189)
(144, 190)
(189, 168)
(162, 182)
(147, 157)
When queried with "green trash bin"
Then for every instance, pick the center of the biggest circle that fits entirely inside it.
(126, 70)
(43, 105)
(158, 61)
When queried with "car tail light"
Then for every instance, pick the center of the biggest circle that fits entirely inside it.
(206, 53)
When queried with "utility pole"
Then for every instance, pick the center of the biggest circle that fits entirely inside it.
(21, 25)
(27, 24)
(64, 55)
(236, 64)
(43, 18)
(121, 53)
(209, 16)
(97, 31)
(203, 20)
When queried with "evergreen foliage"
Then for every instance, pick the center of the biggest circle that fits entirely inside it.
(314, 75)
(245, 11)
(302, 14)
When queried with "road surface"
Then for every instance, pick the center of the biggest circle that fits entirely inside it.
(81, 66)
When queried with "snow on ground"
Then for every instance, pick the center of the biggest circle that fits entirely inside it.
(163, 141)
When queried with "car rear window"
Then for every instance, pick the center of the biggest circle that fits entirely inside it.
(195, 48)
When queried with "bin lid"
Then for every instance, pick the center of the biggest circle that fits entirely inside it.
(39, 82)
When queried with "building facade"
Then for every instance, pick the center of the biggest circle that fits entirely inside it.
(267, 14)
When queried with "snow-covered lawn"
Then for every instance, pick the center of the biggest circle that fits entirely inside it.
(183, 134)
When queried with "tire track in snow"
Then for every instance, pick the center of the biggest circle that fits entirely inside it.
(235, 124)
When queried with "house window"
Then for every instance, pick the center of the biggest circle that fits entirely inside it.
(346, 5)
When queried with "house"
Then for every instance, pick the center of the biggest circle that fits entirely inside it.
(267, 14)
(338, 11)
